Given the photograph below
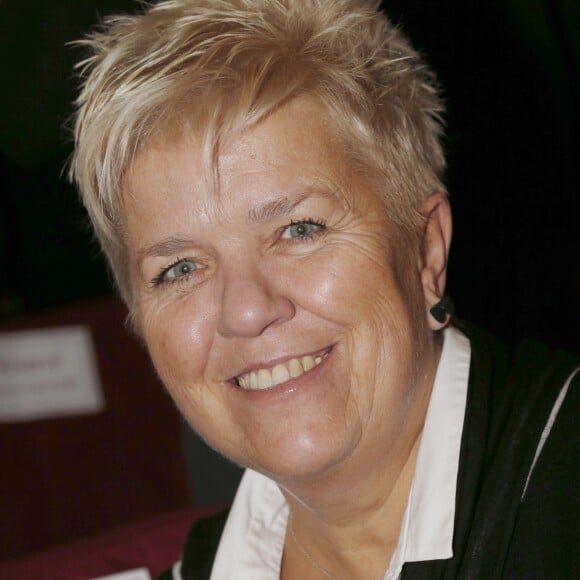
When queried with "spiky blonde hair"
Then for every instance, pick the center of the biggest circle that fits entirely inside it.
(219, 66)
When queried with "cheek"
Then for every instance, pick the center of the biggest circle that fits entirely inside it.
(179, 343)
(178, 339)
(350, 287)
(362, 295)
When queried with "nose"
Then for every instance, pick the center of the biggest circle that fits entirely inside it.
(251, 301)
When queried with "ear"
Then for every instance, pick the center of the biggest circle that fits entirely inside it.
(434, 253)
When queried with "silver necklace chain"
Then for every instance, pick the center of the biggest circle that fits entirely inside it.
(305, 552)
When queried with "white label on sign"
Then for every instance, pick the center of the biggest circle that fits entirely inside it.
(137, 574)
(48, 373)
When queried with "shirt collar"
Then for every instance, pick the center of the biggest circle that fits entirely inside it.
(427, 530)
(253, 540)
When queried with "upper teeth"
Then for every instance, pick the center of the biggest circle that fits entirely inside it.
(268, 378)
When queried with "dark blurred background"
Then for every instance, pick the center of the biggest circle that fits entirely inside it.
(509, 70)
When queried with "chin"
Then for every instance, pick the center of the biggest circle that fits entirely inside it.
(304, 457)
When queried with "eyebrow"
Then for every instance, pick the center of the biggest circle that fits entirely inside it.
(269, 210)
(284, 205)
(165, 248)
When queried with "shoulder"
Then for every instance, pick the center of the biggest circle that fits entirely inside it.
(518, 378)
(546, 536)
(521, 392)
(200, 548)
(527, 396)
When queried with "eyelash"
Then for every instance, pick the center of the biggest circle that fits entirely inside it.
(160, 279)
(310, 221)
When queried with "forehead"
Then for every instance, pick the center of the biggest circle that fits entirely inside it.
(290, 152)
(301, 125)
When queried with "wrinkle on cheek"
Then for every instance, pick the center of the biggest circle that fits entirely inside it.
(387, 311)
(366, 239)
(375, 248)
(340, 285)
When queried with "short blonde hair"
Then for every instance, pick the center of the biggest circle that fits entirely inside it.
(222, 65)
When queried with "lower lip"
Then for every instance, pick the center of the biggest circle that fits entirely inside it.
(305, 380)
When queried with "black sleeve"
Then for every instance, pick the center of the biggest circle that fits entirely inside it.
(546, 536)
(200, 548)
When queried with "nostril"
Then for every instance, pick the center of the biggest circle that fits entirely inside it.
(251, 304)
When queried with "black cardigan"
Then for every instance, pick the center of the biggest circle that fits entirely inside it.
(499, 532)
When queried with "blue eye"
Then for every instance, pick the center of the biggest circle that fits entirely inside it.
(304, 229)
(180, 269)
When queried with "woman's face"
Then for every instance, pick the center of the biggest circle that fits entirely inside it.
(273, 307)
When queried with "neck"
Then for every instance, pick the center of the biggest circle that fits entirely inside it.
(356, 539)
(348, 520)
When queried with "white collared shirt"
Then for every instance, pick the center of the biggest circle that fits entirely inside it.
(252, 543)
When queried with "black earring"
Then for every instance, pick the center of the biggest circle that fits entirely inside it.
(443, 308)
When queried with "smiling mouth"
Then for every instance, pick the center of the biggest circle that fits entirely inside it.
(267, 378)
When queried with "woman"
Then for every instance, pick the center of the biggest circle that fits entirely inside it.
(265, 178)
